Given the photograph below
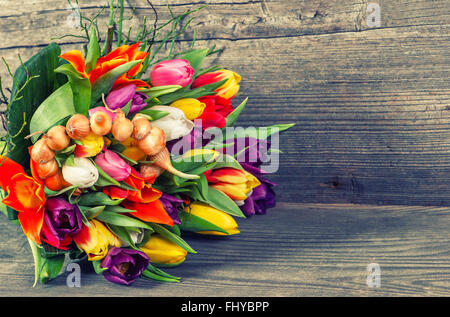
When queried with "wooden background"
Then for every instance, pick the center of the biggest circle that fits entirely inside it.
(372, 109)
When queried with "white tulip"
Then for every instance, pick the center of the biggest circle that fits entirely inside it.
(83, 173)
(175, 125)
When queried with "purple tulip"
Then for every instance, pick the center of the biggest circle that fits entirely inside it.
(120, 97)
(124, 266)
(61, 221)
(113, 165)
(252, 153)
(261, 199)
(172, 72)
(172, 204)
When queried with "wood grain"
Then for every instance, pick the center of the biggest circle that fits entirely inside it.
(295, 250)
(371, 105)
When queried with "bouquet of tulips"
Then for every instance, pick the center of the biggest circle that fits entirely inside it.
(101, 163)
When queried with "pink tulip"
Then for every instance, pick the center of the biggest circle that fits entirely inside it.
(172, 72)
(113, 165)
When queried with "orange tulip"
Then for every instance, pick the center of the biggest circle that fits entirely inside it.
(25, 195)
(119, 56)
(150, 212)
(143, 193)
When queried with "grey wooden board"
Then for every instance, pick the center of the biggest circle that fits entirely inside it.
(371, 105)
(295, 250)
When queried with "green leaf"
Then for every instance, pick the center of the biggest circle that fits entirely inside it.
(159, 278)
(68, 150)
(260, 133)
(121, 220)
(28, 99)
(226, 160)
(185, 164)
(51, 193)
(155, 92)
(81, 88)
(127, 107)
(192, 223)
(105, 82)
(98, 199)
(118, 209)
(123, 234)
(172, 237)
(93, 212)
(222, 202)
(98, 267)
(93, 52)
(155, 270)
(51, 268)
(154, 114)
(232, 117)
(35, 250)
(196, 57)
(46, 117)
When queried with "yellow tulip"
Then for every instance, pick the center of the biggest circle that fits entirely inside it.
(191, 107)
(95, 240)
(214, 216)
(132, 151)
(163, 251)
(92, 145)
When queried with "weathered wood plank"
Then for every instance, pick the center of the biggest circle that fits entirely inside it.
(295, 250)
(36, 22)
(371, 107)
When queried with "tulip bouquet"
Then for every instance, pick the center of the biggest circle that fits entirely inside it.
(102, 164)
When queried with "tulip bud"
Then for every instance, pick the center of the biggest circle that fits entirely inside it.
(92, 145)
(113, 165)
(214, 216)
(228, 89)
(236, 184)
(175, 125)
(82, 173)
(191, 107)
(172, 72)
(95, 240)
(120, 97)
(163, 252)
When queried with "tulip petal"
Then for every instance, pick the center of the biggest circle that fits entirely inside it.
(31, 223)
(227, 175)
(76, 59)
(8, 168)
(151, 212)
(25, 194)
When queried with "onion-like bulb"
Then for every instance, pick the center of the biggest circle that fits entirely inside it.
(150, 170)
(154, 142)
(48, 169)
(56, 182)
(78, 127)
(57, 139)
(41, 153)
(101, 123)
(122, 128)
(141, 127)
(162, 159)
